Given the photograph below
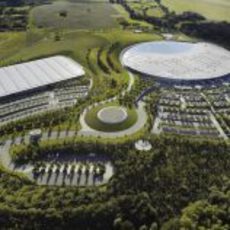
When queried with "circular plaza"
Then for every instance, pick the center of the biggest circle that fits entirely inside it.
(110, 118)
(112, 115)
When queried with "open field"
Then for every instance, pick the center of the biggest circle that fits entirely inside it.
(8, 43)
(16, 47)
(79, 15)
(211, 9)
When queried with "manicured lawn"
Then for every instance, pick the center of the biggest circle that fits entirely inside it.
(211, 9)
(126, 37)
(10, 43)
(74, 44)
(95, 123)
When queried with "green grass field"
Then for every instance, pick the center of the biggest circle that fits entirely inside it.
(151, 8)
(92, 120)
(16, 47)
(212, 9)
(80, 15)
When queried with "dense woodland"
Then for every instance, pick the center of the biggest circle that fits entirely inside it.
(181, 184)
(21, 2)
(215, 32)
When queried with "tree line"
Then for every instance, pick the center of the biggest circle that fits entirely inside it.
(160, 189)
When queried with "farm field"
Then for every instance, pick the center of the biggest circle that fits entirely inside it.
(217, 10)
(79, 15)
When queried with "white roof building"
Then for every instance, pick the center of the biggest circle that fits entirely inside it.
(143, 145)
(34, 74)
(170, 60)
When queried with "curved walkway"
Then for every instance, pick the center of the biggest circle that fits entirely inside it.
(53, 178)
(5, 157)
(141, 118)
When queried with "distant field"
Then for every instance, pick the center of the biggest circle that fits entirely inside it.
(218, 10)
(80, 15)
(124, 14)
(151, 8)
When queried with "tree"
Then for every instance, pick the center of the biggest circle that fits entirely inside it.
(63, 13)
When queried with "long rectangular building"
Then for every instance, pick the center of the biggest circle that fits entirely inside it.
(35, 74)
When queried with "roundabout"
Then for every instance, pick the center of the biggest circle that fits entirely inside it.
(110, 118)
(92, 126)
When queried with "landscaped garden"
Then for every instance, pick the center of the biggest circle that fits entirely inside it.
(124, 119)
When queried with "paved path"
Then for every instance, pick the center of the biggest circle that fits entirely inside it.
(53, 179)
(5, 157)
(156, 129)
(213, 118)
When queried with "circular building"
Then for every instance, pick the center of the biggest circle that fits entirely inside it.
(182, 62)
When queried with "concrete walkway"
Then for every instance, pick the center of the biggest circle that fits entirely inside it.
(5, 157)
(213, 118)
(53, 179)
(156, 129)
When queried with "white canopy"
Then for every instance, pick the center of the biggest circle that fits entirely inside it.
(27, 76)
